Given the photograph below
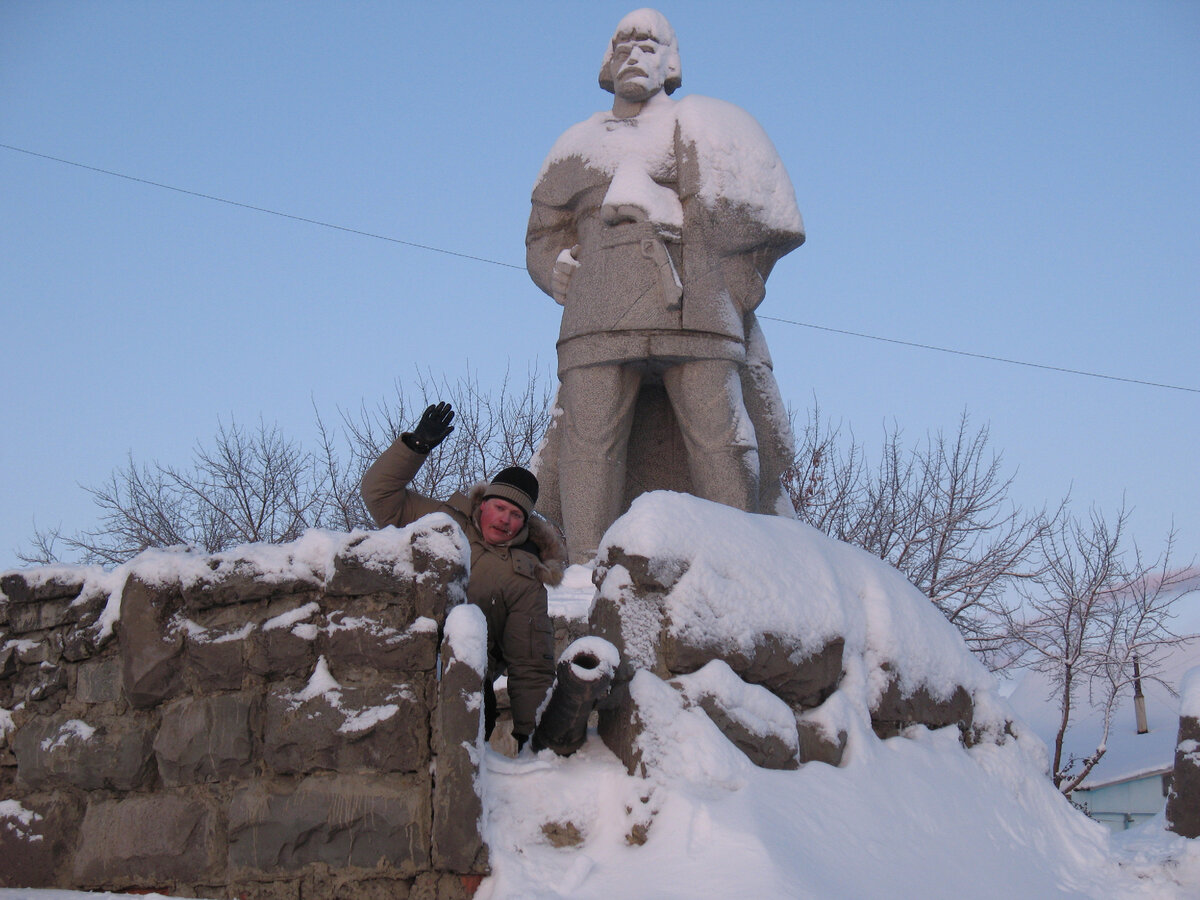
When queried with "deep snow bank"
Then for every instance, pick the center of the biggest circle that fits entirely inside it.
(913, 815)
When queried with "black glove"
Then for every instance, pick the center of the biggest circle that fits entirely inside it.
(432, 429)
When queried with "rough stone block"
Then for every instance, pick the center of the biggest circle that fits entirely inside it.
(150, 642)
(620, 726)
(37, 839)
(802, 680)
(634, 618)
(215, 665)
(47, 683)
(113, 754)
(205, 739)
(650, 576)
(1183, 802)
(147, 839)
(27, 652)
(99, 681)
(818, 744)
(9, 657)
(898, 709)
(344, 820)
(371, 643)
(235, 581)
(382, 728)
(274, 889)
(35, 616)
(20, 590)
(281, 653)
(80, 642)
(640, 641)
(355, 575)
(441, 583)
(770, 751)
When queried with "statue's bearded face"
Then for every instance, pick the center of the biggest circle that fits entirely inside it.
(639, 67)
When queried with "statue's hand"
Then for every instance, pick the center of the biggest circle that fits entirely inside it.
(560, 279)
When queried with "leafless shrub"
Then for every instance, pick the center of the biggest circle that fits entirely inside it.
(1096, 611)
(939, 512)
(255, 485)
(492, 429)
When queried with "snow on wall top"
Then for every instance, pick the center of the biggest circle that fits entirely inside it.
(746, 575)
(310, 558)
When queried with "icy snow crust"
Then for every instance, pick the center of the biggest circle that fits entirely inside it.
(466, 637)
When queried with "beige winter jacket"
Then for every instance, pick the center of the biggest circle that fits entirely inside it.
(507, 581)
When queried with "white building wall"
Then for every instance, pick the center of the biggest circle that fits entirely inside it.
(1123, 805)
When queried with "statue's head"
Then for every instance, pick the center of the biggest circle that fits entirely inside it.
(642, 58)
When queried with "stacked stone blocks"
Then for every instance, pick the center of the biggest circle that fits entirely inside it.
(244, 732)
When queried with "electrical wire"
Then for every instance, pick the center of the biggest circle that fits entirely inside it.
(1001, 359)
(495, 262)
(261, 209)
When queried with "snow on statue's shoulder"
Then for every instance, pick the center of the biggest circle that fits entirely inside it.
(738, 162)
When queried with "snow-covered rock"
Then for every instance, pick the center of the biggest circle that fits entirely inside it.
(683, 582)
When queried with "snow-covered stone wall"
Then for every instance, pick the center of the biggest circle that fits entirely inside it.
(267, 723)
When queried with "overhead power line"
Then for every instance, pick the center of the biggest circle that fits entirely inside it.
(495, 262)
(1001, 359)
(261, 209)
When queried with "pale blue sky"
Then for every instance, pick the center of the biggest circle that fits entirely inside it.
(1010, 179)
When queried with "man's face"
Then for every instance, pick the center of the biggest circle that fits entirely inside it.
(499, 520)
(639, 68)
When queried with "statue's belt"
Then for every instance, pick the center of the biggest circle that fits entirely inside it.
(651, 239)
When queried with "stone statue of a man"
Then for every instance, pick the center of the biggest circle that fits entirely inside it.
(655, 226)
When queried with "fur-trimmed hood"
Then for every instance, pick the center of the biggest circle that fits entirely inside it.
(539, 538)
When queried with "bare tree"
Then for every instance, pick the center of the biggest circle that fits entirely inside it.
(939, 512)
(826, 480)
(251, 485)
(1095, 610)
(492, 429)
(255, 485)
(344, 507)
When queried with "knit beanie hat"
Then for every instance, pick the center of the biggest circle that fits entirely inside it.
(516, 485)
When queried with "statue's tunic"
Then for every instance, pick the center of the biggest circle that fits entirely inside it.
(712, 210)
